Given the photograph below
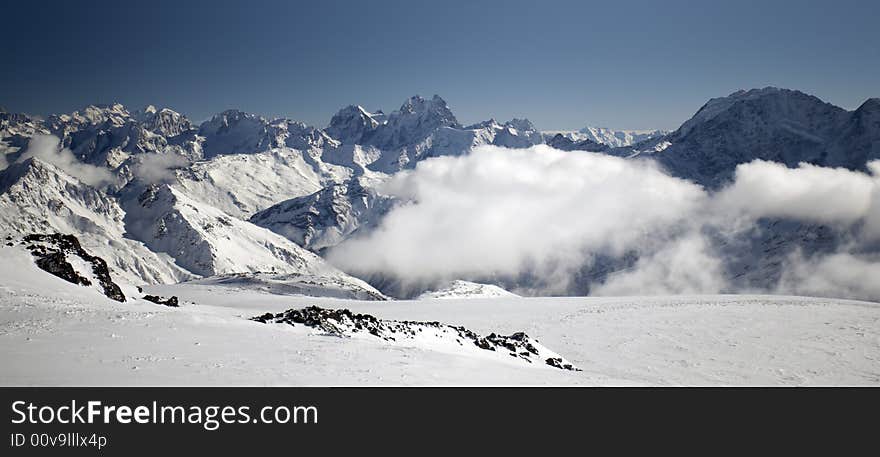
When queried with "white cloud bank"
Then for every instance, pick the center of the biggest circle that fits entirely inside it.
(158, 168)
(505, 211)
(499, 211)
(48, 149)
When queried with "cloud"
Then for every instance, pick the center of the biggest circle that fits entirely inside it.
(504, 211)
(157, 168)
(684, 266)
(48, 149)
(549, 214)
(809, 192)
(840, 274)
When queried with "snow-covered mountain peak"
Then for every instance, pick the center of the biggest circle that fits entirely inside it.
(772, 124)
(603, 136)
(113, 114)
(436, 106)
(770, 104)
(234, 131)
(325, 218)
(523, 124)
(33, 167)
(490, 123)
(238, 132)
(416, 120)
(165, 121)
(871, 104)
(351, 124)
(460, 289)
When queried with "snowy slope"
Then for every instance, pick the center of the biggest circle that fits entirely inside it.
(208, 242)
(236, 132)
(80, 337)
(37, 197)
(242, 184)
(459, 289)
(328, 216)
(773, 124)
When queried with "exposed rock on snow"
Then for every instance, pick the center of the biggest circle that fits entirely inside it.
(57, 254)
(467, 289)
(342, 322)
(170, 302)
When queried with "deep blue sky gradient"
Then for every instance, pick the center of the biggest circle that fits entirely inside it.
(564, 64)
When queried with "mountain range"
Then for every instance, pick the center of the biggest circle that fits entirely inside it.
(244, 198)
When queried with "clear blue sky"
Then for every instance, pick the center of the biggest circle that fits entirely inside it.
(624, 64)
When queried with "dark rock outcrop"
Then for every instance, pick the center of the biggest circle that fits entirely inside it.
(343, 322)
(51, 253)
(170, 302)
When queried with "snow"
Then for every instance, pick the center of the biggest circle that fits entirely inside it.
(661, 146)
(208, 242)
(327, 217)
(612, 137)
(193, 228)
(242, 184)
(38, 197)
(465, 289)
(56, 333)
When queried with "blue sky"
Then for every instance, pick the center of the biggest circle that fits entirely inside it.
(623, 64)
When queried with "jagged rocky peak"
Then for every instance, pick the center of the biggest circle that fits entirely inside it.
(16, 129)
(352, 124)
(114, 114)
(490, 123)
(326, 217)
(436, 108)
(12, 174)
(615, 138)
(301, 136)
(517, 133)
(523, 125)
(230, 120)
(165, 121)
(234, 131)
(416, 119)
